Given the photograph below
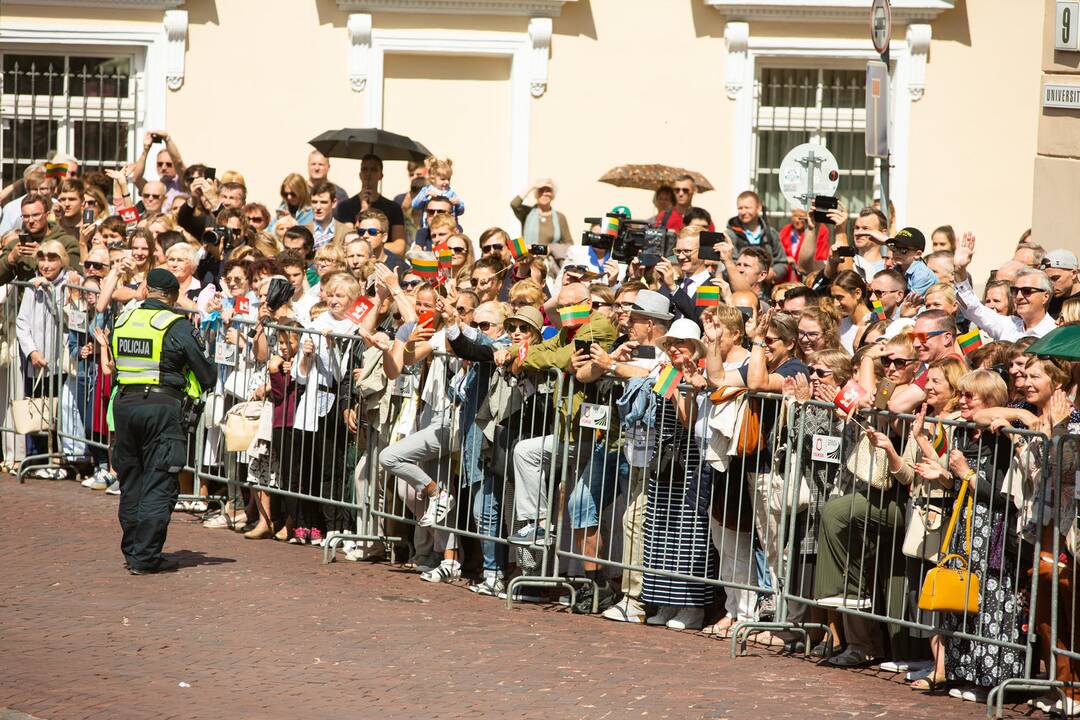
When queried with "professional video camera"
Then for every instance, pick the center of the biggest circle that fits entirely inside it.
(627, 239)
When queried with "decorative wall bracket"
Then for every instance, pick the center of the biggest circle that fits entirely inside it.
(540, 37)
(359, 27)
(176, 27)
(918, 42)
(737, 38)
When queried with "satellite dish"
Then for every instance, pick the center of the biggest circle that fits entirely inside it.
(808, 170)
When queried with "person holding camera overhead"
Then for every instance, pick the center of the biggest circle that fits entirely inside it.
(540, 223)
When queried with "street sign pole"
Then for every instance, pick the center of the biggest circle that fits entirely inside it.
(880, 34)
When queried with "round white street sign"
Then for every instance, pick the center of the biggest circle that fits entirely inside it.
(795, 173)
(881, 25)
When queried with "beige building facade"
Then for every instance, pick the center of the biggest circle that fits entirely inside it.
(512, 90)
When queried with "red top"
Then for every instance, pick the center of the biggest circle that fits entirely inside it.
(792, 241)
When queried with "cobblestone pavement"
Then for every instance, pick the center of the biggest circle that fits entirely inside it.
(263, 630)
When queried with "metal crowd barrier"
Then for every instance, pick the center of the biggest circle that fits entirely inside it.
(675, 503)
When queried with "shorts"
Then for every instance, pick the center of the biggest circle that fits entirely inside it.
(597, 487)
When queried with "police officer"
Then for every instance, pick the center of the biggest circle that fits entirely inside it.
(160, 370)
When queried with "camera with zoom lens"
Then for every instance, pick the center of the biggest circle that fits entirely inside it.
(627, 239)
(219, 235)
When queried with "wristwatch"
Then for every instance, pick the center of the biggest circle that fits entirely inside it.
(760, 343)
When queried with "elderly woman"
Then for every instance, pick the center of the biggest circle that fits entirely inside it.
(676, 528)
(37, 328)
(181, 260)
(540, 223)
(980, 460)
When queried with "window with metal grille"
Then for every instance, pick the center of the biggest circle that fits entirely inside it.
(80, 104)
(822, 105)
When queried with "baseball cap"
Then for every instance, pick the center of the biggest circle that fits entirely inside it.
(1061, 260)
(909, 238)
(162, 279)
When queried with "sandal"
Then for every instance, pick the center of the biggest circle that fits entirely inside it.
(850, 658)
(720, 629)
(931, 682)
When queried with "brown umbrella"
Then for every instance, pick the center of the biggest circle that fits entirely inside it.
(650, 177)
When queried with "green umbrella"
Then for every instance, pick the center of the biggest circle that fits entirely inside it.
(1062, 342)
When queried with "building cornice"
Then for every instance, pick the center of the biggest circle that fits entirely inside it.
(524, 8)
(115, 4)
(854, 11)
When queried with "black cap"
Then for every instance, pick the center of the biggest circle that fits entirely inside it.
(162, 279)
(909, 238)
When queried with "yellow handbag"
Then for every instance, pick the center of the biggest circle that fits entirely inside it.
(947, 589)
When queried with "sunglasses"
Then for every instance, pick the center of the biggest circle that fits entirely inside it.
(436, 211)
(91, 265)
(896, 362)
(820, 372)
(517, 327)
(597, 304)
(152, 196)
(235, 280)
(1026, 291)
(623, 307)
(462, 310)
(368, 231)
(879, 293)
(459, 250)
(922, 337)
(682, 191)
(408, 284)
(162, 163)
(256, 219)
(491, 249)
(482, 326)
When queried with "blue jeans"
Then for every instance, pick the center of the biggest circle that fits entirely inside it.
(487, 500)
(596, 488)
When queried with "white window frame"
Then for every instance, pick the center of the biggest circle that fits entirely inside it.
(815, 52)
(147, 45)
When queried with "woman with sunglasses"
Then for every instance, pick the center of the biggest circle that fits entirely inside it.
(35, 328)
(295, 201)
(980, 460)
(463, 258)
(883, 368)
(541, 224)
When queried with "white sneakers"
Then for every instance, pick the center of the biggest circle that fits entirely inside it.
(626, 610)
(688, 618)
(437, 508)
(665, 613)
(1052, 704)
(492, 585)
(448, 570)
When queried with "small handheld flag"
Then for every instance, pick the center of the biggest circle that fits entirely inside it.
(849, 396)
(668, 382)
(523, 351)
(970, 341)
(518, 248)
(878, 308)
(940, 445)
(445, 255)
(360, 309)
(425, 267)
(707, 296)
(56, 170)
(129, 214)
(438, 280)
(243, 304)
(575, 315)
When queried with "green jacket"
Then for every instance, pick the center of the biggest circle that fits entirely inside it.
(556, 353)
(26, 268)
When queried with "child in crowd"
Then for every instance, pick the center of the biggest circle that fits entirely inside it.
(439, 172)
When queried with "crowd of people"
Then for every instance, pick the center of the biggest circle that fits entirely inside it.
(472, 362)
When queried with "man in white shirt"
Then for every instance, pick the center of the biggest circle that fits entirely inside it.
(1032, 291)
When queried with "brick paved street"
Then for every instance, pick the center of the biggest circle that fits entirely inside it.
(263, 630)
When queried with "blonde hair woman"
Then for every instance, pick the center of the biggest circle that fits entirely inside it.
(295, 201)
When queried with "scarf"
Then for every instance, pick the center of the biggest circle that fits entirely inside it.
(532, 227)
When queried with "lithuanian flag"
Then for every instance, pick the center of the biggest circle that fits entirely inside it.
(445, 255)
(970, 341)
(518, 248)
(574, 315)
(57, 170)
(878, 308)
(668, 382)
(940, 444)
(425, 267)
(707, 296)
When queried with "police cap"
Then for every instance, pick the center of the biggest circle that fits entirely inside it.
(163, 280)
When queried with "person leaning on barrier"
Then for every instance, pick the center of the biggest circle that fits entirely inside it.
(532, 456)
(18, 260)
(161, 369)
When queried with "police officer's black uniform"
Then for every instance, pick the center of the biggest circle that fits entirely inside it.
(150, 441)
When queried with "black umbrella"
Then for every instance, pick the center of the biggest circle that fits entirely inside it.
(355, 143)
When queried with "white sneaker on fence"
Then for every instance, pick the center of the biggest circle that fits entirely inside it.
(437, 509)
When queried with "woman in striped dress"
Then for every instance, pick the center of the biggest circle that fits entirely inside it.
(677, 513)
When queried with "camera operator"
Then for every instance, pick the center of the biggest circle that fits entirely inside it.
(218, 240)
(19, 258)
